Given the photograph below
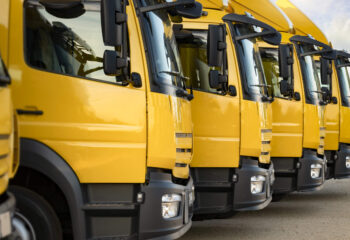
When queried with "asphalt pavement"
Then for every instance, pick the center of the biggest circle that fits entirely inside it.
(320, 215)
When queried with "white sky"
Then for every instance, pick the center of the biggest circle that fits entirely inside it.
(332, 17)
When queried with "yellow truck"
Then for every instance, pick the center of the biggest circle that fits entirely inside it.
(298, 125)
(105, 122)
(337, 149)
(8, 153)
(231, 110)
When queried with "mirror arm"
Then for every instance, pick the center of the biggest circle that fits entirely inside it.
(254, 35)
(165, 5)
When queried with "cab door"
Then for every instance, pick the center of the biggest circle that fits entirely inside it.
(215, 114)
(287, 113)
(64, 99)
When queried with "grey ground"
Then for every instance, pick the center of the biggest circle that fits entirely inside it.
(324, 214)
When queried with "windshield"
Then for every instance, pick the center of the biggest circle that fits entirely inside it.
(311, 77)
(344, 81)
(163, 56)
(193, 52)
(269, 57)
(254, 83)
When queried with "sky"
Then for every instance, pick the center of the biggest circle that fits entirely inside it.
(332, 17)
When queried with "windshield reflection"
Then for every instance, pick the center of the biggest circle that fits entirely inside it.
(162, 47)
(312, 81)
(344, 80)
(252, 69)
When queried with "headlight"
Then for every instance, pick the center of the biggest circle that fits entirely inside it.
(347, 161)
(315, 170)
(170, 205)
(257, 184)
(191, 197)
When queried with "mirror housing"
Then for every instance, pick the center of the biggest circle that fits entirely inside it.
(113, 20)
(216, 80)
(112, 63)
(284, 87)
(189, 11)
(216, 45)
(64, 8)
(273, 39)
(285, 56)
(326, 71)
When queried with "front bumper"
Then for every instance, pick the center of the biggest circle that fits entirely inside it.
(222, 191)
(336, 164)
(244, 200)
(7, 208)
(293, 174)
(151, 223)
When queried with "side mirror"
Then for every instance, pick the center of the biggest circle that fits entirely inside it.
(112, 63)
(189, 11)
(326, 71)
(334, 100)
(216, 80)
(113, 20)
(216, 46)
(285, 56)
(273, 39)
(284, 87)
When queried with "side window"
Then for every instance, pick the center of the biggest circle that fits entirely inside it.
(269, 57)
(72, 46)
(193, 54)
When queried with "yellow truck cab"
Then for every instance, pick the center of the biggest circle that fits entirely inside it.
(231, 110)
(338, 160)
(298, 128)
(8, 153)
(105, 122)
(337, 151)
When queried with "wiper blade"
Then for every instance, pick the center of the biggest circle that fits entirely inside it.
(318, 92)
(261, 85)
(165, 5)
(343, 65)
(176, 74)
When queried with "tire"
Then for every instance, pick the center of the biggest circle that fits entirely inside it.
(41, 218)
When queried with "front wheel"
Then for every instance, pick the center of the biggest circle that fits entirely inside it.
(34, 217)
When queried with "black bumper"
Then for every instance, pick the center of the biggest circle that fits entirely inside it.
(244, 200)
(293, 174)
(336, 162)
(152, 224)
(222, 191)
(134, 211)
(7, 206)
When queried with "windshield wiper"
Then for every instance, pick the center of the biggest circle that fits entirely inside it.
(176, 74)
(180, 92)
(261, 85)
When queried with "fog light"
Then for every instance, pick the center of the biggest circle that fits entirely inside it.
(347, 161)
(257, 184)
(315, 170)
(170, 205)
(191, 197)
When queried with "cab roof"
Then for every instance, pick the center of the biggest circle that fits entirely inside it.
(302, 24)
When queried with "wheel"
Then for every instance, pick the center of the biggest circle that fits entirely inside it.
(34, 217)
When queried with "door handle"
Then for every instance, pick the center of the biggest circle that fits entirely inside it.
(29, 112)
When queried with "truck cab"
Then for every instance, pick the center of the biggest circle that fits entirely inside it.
(105, 122)
(339, 161)
(8, 153)
(231, 110)
(298, 128)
